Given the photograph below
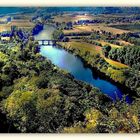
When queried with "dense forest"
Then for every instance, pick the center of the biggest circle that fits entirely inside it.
(125, 55)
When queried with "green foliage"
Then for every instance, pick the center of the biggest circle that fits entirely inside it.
(50, 109)
(106, 50)
(130, 56)
(117, 119)
(36, 96)
(58, 35)
(42, 81)
(126, 55)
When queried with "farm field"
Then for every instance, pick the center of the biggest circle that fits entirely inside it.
(18, 23)
(82, 46)
(101, 28)
(128, 27)
(72, 18)
(74, 30)
(4, 27)
(115, 63)
(90, 28)
(107, 43)
(21, 23)
(125, 43)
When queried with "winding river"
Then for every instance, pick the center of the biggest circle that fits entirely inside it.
(75, 66)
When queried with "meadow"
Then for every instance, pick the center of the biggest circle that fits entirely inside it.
(128, 27)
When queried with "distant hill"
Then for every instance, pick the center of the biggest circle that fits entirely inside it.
(93, 10)
(12, 10)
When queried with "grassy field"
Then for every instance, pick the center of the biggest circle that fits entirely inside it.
(74, 30)
(94, 50)
(105, 43)
(101, 27)
(62, 18)
(18, 23)
(82, 46)
(72, 18)
(115, 63)
(4, 27)
(21, 23)
(125, 43)
(128, 27)
(91, 28)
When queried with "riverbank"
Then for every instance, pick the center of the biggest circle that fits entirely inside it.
(93, 61)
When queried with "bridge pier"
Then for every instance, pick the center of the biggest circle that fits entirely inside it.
(54, 43)
(43, 42)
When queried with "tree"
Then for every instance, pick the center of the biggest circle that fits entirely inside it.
(58, 35)
(42, 82)
(106, 50)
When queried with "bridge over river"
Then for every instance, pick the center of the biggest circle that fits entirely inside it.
(47, 42)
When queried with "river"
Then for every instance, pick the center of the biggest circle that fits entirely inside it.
(75, 66)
